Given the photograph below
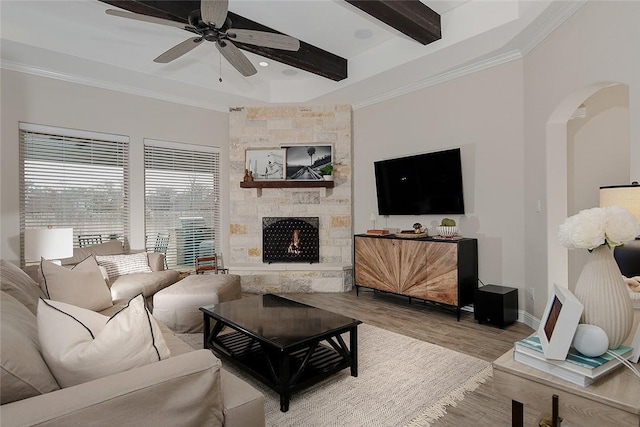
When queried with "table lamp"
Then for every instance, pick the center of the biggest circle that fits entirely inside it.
(48, 243)
(626, 196)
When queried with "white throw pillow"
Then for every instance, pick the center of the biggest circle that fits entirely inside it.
(82, 285)
(80, 345)
(117, 265)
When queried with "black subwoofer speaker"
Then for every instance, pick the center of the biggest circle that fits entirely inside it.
(497, 305)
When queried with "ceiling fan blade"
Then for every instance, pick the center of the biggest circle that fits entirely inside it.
(179, 50)
(262, 38)
(214, 11)
(236, 58)
(145, 18)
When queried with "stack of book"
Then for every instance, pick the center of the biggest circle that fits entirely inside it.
(576, 368)
(378, 232)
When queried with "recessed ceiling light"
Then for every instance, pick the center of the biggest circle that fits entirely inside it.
(363, 34)
(263, 63)
(289, 72)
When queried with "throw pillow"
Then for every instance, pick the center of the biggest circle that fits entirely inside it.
(82, 285)
(118, 265)
(23, 372)
(19, 285)
(80, 345)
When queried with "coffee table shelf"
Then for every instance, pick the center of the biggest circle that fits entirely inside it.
(264, 364)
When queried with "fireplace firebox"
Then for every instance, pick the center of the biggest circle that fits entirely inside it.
(290, 239)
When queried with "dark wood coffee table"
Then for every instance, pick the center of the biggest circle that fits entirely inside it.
(283, 343)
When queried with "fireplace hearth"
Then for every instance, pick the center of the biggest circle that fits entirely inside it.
(290, 239)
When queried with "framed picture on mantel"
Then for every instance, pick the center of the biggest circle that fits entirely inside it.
(305, 161)
(266, 163)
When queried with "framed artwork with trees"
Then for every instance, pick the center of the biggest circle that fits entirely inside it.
(305, 162)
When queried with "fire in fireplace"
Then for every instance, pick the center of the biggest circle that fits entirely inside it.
(290, 239)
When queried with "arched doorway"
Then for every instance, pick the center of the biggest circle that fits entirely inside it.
(557, 182)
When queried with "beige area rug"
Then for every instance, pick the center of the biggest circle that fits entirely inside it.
(401, 382)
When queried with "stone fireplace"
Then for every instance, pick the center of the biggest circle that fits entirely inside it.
(290, 239)
(262, 268)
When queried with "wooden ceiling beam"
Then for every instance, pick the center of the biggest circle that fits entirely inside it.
(411, 17)
(309, 58)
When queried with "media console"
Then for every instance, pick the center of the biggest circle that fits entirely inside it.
(444, 272)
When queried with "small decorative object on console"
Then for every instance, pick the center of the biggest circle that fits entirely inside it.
(447, 228)
(411, 234)
(417, 227)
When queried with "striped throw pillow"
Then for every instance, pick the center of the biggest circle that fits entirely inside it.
(118, 265)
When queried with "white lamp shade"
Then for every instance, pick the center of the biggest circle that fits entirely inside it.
(626, 196)
(48, 243)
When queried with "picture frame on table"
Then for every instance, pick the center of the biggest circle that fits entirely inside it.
(559, 323)
(266, 164)
(304, 161)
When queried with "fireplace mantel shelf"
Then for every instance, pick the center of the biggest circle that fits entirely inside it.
(287, 184)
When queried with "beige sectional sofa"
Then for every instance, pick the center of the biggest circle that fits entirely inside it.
(190, 388)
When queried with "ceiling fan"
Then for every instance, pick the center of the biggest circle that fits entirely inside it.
(211, 23)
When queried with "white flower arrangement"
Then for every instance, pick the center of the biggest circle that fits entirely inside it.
(590, 228)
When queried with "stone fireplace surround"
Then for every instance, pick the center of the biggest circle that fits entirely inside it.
(271, 127)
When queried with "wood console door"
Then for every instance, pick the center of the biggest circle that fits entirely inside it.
(437, 271)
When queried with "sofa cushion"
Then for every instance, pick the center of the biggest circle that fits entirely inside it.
(19, 285)
(80, 345)
(82, 285)
(23, 371)
(112, 247)
(119, 265)
(123, 288)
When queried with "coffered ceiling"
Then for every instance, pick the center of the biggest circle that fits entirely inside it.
(76, 40)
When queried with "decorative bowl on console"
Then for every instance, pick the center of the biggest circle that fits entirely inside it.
(447, 231)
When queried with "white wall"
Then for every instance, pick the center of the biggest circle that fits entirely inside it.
(597, 45)
(57, 103)
(481, 113)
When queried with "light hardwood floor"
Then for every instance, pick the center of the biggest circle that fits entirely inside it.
(435, 325)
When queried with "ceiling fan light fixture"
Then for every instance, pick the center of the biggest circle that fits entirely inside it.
(211, 23)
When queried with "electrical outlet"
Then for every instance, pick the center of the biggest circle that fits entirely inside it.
(531, 294)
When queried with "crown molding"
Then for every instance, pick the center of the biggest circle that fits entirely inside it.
(565, 10)
(102, 84)
(441, 78)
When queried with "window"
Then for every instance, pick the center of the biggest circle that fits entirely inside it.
(182, 199)
(71, 178)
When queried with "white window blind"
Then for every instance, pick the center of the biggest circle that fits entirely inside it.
(182, 186)
(71, 178)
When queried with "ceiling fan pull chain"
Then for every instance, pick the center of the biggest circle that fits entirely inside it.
(220, 63)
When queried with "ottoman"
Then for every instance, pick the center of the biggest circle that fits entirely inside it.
(177, 306)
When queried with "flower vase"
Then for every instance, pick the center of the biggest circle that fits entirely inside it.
(603, 292)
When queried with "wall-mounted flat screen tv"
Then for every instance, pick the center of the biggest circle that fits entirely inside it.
(429, 183)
